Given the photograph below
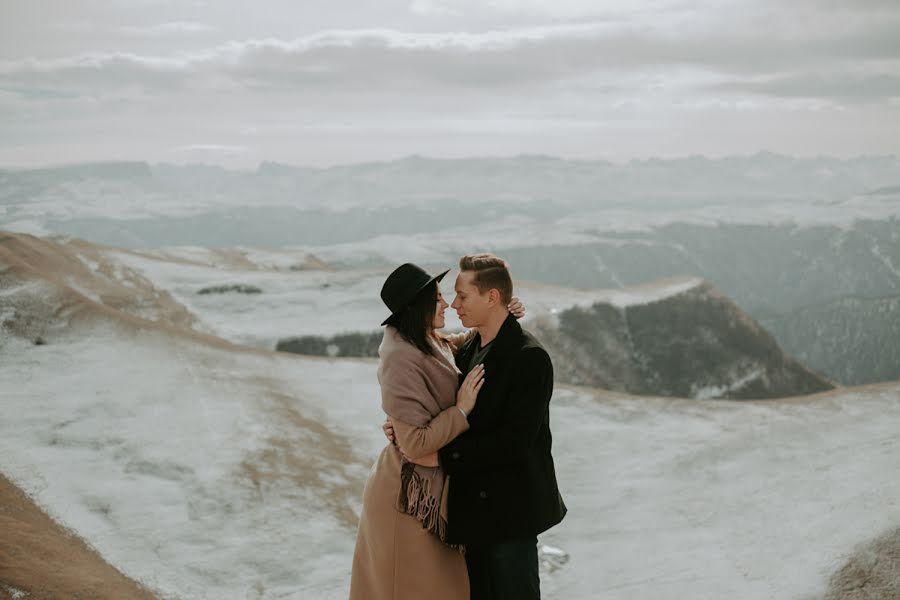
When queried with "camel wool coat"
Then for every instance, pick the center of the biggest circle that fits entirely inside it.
(395, 557)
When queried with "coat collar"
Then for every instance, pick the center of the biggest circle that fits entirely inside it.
(506, 338)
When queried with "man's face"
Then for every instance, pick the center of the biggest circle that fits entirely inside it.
(470, 304)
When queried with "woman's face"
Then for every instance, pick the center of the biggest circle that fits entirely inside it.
(439, 309)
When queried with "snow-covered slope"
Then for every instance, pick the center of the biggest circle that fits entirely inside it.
(672, 499)
(33, 549)
(206, 473)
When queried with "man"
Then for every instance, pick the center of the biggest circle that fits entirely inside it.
(503, 489)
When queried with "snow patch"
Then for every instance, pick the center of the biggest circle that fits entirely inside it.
(84, 291)
(14, 593)
(27, 226)
(885, 260)
(712, 391)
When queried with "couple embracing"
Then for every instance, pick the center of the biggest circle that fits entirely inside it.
(454, 504)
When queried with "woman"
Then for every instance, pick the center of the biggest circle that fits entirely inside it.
(399, 549)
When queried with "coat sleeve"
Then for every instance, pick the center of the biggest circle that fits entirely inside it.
(403, 381)
(508, 444)
(421, 441)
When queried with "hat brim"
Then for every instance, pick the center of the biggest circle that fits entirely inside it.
(438, 278)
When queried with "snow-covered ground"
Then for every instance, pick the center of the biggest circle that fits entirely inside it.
(210, 473)
(201, 473)
(326, 302)
(302, 302)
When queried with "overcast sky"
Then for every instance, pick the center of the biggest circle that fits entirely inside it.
(321, 82)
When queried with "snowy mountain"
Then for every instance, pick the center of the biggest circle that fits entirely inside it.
(670, 338)
(692, 343)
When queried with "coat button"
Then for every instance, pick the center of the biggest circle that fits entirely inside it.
(455, 456)
(483, 494)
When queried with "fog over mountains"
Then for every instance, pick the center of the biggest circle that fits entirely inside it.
(773, 233)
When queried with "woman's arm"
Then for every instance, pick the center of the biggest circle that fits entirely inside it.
(417, 442)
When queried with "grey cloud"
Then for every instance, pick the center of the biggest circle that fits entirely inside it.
(844, 87)
(167, 29)
(359, 60)
(36, 93)
(891, 6)
(95, 73)
(158, 30)
(213, 148)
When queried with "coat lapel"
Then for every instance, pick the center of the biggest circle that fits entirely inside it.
(506, 338)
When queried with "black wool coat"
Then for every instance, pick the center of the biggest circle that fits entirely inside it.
(502, 480)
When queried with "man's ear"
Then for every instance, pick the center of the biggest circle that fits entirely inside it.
(493, 296)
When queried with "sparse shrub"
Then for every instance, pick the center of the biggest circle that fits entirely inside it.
(237, 287)
(354, 344)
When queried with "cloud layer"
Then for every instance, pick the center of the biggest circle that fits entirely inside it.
(656, 64)
(794, 61)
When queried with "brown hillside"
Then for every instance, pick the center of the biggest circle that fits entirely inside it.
(40, 558)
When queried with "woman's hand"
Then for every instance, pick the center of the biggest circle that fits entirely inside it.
(516, 307)
(468, 391)
(388, 429)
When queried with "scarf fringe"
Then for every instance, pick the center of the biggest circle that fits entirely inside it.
(415, 499)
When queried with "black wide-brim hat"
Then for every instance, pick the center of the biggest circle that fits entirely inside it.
(403, 285)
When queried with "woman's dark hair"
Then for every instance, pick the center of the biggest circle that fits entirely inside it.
(416, 322)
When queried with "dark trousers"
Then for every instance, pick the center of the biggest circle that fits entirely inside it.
(504, 571)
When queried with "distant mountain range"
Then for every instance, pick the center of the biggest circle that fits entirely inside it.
(775, 234)
(160, 205)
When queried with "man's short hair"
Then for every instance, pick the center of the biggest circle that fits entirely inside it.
(491, 272)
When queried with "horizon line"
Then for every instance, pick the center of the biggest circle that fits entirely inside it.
(432, 158)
